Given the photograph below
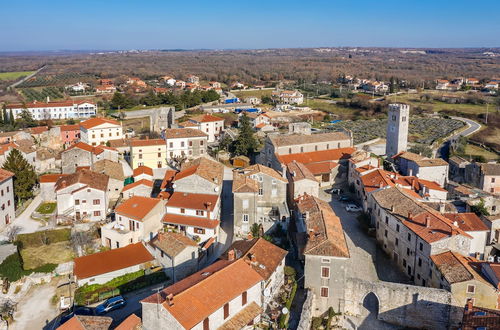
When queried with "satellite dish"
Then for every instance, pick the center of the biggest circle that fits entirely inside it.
(216, 189)
(174, 186)
(284, 310)
(267, 293)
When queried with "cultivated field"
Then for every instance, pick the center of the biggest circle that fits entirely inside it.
(14, 75)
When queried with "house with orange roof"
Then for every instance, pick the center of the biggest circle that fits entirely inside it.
(55, 110)
(143, 173)
(442, 84)
(360, 162)
(322, 245)
(431, 169)
(102, 267)
(105, 89)
(287, 97)
(259, 197)
(475, 227)
(169, 80)
(201, 175)
(87, 322)
(82, 195)
(148, 152)
(136, 219)
(226, 295)
(410, 232)
(98, 131)
(211, 125)
(181, 84)
(132, 322)
(142, 187)
(69, 134)
(463, 277)
(136, 82)
(192, 79)
(185, 143)
(81, 154)
(195, 215)
(7, 203)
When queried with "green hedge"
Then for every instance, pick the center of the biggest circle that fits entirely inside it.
(285, 317)
(12, 268)
(44, 237)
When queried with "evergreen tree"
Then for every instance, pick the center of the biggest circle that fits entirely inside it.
(24, 175)
(11, 118)
(3, 116)
(245, 144)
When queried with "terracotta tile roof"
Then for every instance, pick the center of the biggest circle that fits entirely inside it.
(322, 167)
(93, 122)
(112, 169)
(137, 207)
(108, 261)
(133, 322)
(86, 177)
(142, 182)
(317, 156)
(119, 143)
(25, 146)
(324, 229)
(186, 220)
(299, 171)
(244, 184)
(453, 267)
(258, 252)
(86, 147)
(201, 294)
(50, 177)
(210, 170)
(172, 243)
(193, 201)
(476, 317)
(261, 169)
(431, 162)
(168, 178)
(364, 168)
(408, 155)
(243, 317)
(143, 170)
(4, 174)
(87, 322)
(467, 221)
(205, 118)
(299, 139)
(424, 221)
(147, 142)
(38, 130)
(178, 133)
(376, 180)
(432, 185)
(38, 104)
(65, 128)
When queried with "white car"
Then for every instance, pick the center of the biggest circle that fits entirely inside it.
(352, 208)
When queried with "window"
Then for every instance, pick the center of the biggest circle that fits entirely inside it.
(245, 204)
(397, 241)
(289, 150)
(200, 212)
(199, 231)
(397, 227)
(1, 192)
(245, 217)
(409, 236)
(140, 156)
(190, 143)
(407, 251)
(97, 213)
(471, 288)
(387, 220)
(244, 298)
(385, 233)
(421, 246)
(226, 311)
(159, 154)
(183, 211)
(492, 180)
(182, 144)
(419, 262)
(315, 148)
(77, 202)
(324, 292)
(261, 192)
(301, 149)
(171, 144)
(325, 272)
(8, 189)
(404, 262)
(96, 201)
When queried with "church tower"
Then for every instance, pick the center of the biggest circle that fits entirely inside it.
(397, 129)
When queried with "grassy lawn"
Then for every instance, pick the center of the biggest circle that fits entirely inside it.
(473, 150)
(55, 253)
(257, 93)
(324, 105)
(46, 208)
(137, 124)
(14, 75)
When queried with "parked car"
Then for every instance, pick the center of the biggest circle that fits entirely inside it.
(352, 208)
(334, 191)
(76, 310)
(345, 198)
(110, 305)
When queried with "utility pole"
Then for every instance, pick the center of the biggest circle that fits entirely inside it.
(487, 108)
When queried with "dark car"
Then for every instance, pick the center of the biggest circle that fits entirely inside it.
(77, 310)
(345, 199)
(110, 305)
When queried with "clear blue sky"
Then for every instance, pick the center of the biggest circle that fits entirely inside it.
(169, 24)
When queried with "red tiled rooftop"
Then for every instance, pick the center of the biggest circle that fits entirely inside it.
(141, 182)
(50, 177)
(317, 156)
(190, 221)
(137, 207)
(467, 221)
(143, 170)
(93, 122)
(193, 201)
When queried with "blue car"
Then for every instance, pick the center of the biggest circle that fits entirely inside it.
(110, 305)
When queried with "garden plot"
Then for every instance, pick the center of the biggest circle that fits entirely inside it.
(421, 130)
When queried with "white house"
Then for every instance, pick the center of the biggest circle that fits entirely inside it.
(288, 97)
(143, 187)
(474, 226)
(7, 210)
(185, 142)
(82, 195)
(55, 110)
(96, 131)
(211, 125)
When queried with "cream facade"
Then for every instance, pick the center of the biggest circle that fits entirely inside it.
(151, 153)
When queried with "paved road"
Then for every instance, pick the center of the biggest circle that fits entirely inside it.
(473, 126)
(35, 310)
(26, 78)
(24, 221)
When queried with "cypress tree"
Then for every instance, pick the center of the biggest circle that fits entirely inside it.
(24, 175)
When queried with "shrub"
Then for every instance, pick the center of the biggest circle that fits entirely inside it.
(12, 268)
(290, 271)
(44, 237)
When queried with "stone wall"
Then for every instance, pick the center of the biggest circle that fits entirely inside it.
(159, 118)
(402, 305)
(307, 312)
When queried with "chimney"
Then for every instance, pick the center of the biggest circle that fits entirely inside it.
(392, 208)
(48, 99)
(410, 216)
(455, 223)
(470, 305)
(441, 208)
(170, 299)
(410, 172)
(230, 255)
(307, 215)
(427, 221)
(252, 257)
(283, 171)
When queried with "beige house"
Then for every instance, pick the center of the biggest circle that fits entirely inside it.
(150, 152)
(211, 125)
(186, 143)
(301, 181)
(137, 219)
(82, 154)
(97, 131)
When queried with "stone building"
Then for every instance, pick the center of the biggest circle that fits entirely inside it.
(201, 175)
(410, 164)
(114, 171)
(259, 195)
(83, 155)
(322, 246)
(484, 176)
(185, 143)
(397, 129)
(300, 181)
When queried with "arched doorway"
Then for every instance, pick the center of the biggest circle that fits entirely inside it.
(371, 303)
